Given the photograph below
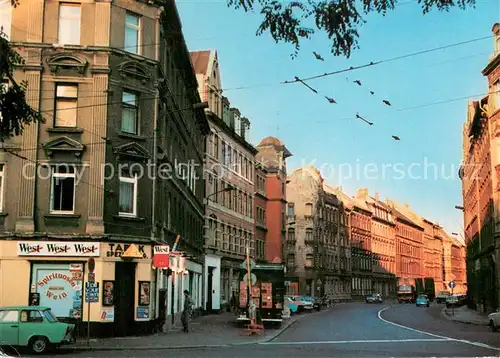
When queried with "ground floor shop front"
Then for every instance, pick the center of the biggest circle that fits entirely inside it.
(113, 298)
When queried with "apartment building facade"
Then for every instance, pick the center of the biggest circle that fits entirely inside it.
(316, 257)
(95, 86)
(383, 244)
(480, 176)
(260, 212)
(409, 242)
(179, 184)
(272, 155)
(359, 227)
(230, 190)
(433, 253)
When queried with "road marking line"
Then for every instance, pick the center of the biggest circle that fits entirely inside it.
(477, 344)
(359, 341)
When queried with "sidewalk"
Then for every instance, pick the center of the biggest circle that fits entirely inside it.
(206, 331)
(465, 315)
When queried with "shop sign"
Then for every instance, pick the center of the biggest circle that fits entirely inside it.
(57, 248)
(130, 251)
(161, 256)
(92, 291)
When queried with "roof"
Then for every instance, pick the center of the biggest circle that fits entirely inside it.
(276, 143)
(24, 308)
(200, 60)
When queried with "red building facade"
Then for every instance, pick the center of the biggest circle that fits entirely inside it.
(272, 155)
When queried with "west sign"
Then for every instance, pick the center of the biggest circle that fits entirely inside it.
(57, 248)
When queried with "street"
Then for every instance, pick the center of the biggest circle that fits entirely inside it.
(353, 330)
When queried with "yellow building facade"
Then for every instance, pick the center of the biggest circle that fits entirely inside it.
(56, 274)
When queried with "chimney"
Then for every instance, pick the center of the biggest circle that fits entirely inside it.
(377, 196)
(362, 194)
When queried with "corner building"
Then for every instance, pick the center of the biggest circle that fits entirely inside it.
(77, 185)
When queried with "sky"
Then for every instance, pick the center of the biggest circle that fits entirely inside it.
(420, 169)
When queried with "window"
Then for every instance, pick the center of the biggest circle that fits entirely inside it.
(496, 95)
(132, 33)
(291, 209)
(66, 110)
(309, 209)
(5, 18)
(69, 24)
(9, 316)
(130, 113)
(62, 198)
(309, 260)
(2, 181)
(128, 196)
(31, 317)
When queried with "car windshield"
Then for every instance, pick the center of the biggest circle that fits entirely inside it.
(49, 316)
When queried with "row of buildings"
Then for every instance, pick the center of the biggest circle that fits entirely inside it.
(346, 247)
(480, 174)
(143, 165)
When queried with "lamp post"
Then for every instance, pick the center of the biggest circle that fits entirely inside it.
(229, 188)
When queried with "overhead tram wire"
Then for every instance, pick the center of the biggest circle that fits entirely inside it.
(391, 59)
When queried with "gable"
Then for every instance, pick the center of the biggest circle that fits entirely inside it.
(131, 151)
(135, 70)
(63, 144)
(67, 61)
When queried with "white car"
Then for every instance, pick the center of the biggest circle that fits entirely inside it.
(494, 319)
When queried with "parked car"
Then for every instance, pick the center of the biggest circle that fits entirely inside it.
(423, 300)
(494, 319)
(456, 300)
(292, 305)
(442, 296)
(34, 327)
(374, 298)
(303, 304)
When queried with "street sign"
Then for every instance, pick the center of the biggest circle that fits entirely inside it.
(91, 264)
(245, 263)
(253, 278)
(91, 277)
(452, 284)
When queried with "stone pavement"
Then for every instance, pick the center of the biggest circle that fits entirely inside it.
(206, 331)
(465, 315)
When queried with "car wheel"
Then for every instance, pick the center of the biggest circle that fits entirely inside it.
(38, 344)
(492, 326)
(428, 305)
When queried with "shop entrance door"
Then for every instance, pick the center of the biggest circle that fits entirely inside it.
(124, 298)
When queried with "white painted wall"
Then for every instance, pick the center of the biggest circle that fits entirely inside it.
(212, 261)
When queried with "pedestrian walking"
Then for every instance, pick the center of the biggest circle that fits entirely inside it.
(186, 313)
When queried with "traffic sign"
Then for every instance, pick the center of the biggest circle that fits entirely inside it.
(91, 277)
(91, 264)
(253, 278)
(245, 263)
(452, 284)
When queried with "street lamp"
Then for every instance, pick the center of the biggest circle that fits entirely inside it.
(229, 188)
(201, 105)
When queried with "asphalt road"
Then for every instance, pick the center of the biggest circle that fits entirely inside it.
(353, 330)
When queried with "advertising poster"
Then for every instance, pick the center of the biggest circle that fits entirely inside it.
(108, 293)
(108, 314)
(144, 293)
(57, 289)
(142, 313)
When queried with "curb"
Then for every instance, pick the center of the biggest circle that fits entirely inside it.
(170, 347)
(449, 318)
